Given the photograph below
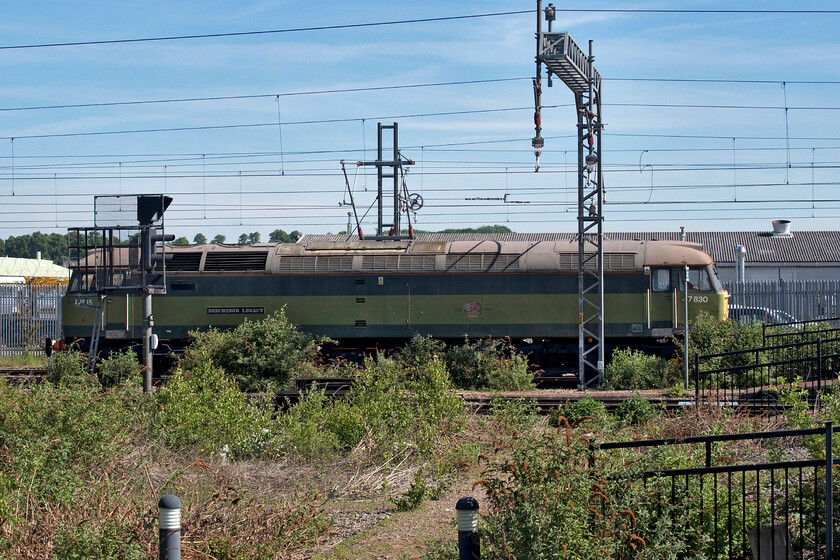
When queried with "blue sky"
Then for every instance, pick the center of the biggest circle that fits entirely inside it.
(260, 162)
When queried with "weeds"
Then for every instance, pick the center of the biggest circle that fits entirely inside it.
(478, 364)
(121, 368)
(83, 463)
(636, 410)
(203, 407)
(417, 493)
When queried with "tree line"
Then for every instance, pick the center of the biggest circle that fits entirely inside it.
(55, 246)
(276, 236)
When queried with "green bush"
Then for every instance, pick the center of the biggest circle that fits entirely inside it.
(636, 410)
(634, 370)
(543, 503)
(262, 355)
(479, 364)
(546, 499)
(203, 407)
(419, 351)
(489, 364)
(583, 409)
(121, 368)
(400, 409)
(67, 368)
(389, 408)
(317, 426)
(709, 335)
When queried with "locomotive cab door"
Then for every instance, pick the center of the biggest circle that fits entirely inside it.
(662, 294)
(117, 317)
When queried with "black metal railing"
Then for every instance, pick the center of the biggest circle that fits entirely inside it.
(781, 509)
(757, 374)
(798, 331)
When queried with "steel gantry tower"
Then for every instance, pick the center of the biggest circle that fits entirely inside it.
(563, 58)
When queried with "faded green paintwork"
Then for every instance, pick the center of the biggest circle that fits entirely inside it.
(525, 315)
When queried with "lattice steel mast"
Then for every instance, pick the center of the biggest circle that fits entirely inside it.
(563, 58)
(394, 169)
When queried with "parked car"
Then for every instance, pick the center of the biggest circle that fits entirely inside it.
(748, 314)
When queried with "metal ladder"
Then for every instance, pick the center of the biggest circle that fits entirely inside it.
(94, 337)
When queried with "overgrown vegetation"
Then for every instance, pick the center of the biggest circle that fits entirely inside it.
(261, 355)
(84, 458)
(477, 364)
(634, 370)
(707, 335)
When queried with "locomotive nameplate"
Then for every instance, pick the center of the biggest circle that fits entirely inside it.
(236, 310)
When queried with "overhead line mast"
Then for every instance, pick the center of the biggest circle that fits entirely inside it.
(563, 58)
(402, 201)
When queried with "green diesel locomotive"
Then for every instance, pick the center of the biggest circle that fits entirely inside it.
(363, 293)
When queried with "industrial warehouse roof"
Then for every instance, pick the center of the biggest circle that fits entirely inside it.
(13, 269)
(761, 246)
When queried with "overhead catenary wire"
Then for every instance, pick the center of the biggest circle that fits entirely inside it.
(258, 95)
(389, 87)
(272, 124)
(405, 22)
(261, 32)
(414, 116)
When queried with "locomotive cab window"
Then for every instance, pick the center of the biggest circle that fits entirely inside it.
(698, 279)
(81, 283)
(670, 279)
(661, 279)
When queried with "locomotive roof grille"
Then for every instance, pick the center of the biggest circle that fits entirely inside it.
(379, 263)
(323, 263)
(417, 263)
(481, 262)
(612, 261)
(184, 261)
(235, 260)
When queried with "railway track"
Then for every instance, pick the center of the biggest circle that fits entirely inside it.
(23, 376)
(544, 402)
(478, 402)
